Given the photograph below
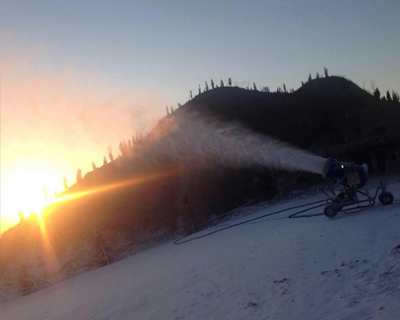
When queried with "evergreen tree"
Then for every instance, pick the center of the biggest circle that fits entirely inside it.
(230, 82)
(191, 95)
(254, 86)
(388, 97)
(167, 110)
(94, 166)
(284, 88)
(326, 72)
(212, 84)
(302, 83)
(79, 177)
(377, 94)
(221, 83)
(199, 89)
(309, 77)
(122, 148)
(317, 76)
(110, 155)
(105, 161)
(395, 96)
(265, 89)
(21, 216)
(65, 183)
(206, 88)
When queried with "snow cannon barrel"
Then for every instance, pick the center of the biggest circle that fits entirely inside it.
(349, 173)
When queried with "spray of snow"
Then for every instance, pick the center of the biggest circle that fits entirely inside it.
(191, 137)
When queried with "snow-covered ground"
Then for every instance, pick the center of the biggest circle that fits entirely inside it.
(313, 268)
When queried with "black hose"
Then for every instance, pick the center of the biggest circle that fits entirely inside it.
(179, 241)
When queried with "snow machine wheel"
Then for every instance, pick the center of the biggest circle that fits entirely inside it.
(330, 211)
(386, 198)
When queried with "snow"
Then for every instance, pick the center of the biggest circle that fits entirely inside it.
(312, 268)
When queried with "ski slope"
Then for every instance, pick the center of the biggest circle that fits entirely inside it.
(312, 268)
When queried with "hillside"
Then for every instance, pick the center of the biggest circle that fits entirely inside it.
(320, 113)
(148, 195)
(315, 268)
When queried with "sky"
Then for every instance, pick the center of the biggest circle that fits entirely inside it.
(80, 76)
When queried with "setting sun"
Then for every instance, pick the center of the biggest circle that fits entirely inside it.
(28, 191)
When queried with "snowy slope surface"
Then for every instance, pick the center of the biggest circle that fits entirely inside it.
(313, 268)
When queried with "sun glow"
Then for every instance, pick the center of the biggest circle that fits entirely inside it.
(29, 191)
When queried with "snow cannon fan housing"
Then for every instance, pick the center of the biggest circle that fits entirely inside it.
(348, 173)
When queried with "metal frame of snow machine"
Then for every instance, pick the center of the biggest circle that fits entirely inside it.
(344, 189)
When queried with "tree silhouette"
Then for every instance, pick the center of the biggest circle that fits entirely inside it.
(167, 110)
(123, 147)
(105, 161)
(110, 154)
(388, 97)
(221, 83)
(179, 105)
(206, 87)
(199, 89)
(377, 94)
(212, 84)
(395, 96)
(94, 166)
(79, 177)
(230, 82)
(326, 72)
(254, 86)
(191, 95)
(302, 83)
(137, 139)
(65, 183)
(309, 77)
(284, 88)
(317, 76)
(21, 216)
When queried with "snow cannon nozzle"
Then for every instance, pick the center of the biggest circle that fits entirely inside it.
(348, 173)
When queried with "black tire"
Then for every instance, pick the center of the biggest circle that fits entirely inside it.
(386, 198)
(330, 211)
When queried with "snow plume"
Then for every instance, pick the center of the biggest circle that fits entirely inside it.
(190, 137)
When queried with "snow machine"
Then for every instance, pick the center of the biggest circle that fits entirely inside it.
(344, 189)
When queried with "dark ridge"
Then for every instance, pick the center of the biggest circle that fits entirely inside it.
(321, 112)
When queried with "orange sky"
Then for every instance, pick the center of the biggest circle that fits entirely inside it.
(51, 125)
